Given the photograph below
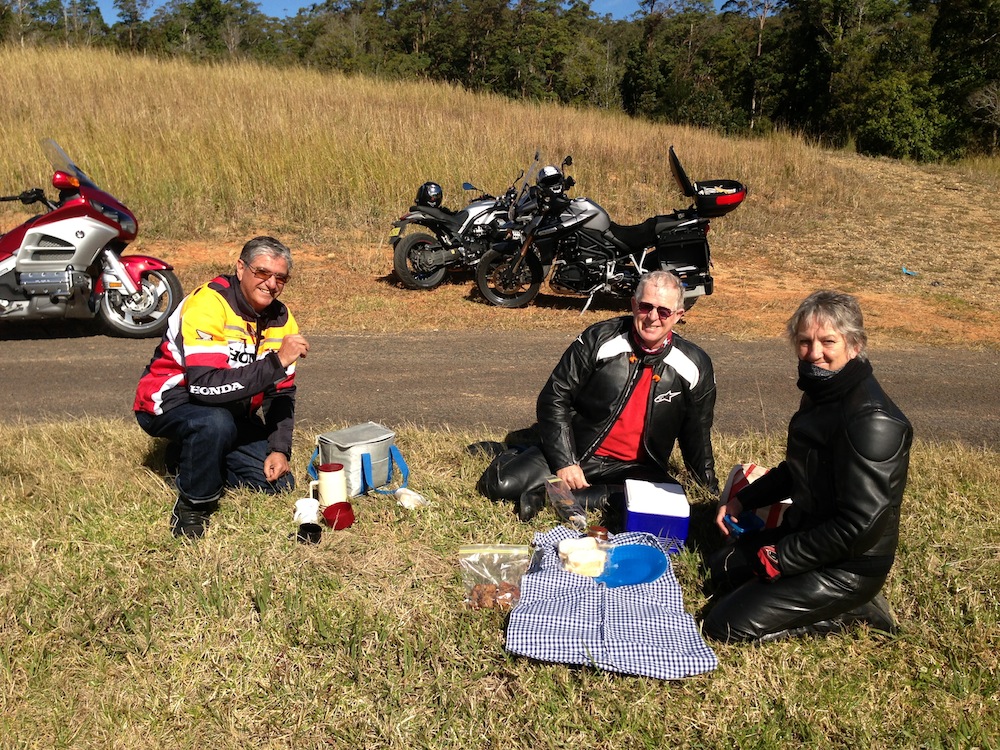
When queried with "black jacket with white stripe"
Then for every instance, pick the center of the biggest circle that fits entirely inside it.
(593, 381)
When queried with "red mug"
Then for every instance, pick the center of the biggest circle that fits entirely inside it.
(339, 515)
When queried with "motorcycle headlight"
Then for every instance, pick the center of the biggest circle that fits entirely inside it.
(125, 221)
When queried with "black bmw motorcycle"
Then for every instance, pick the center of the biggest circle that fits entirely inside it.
(453, 240)
(590, 254)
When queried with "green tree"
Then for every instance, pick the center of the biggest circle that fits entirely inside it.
(899, 117)
(966, 43)
(758, 12)
(131, 26)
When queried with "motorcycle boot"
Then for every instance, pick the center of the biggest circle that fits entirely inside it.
(875, 614)
(531, 503)
(189, 520)
(608, 500)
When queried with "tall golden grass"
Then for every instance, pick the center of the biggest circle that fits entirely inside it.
(220, 152)
(200, 148)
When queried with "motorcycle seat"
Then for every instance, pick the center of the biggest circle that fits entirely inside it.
(636, 236)
(441, 214)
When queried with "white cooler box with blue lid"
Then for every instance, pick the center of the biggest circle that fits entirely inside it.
(658, 508)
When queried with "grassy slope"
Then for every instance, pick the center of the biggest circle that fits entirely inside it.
(115, 636)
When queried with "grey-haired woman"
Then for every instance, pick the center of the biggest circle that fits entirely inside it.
(845, 470)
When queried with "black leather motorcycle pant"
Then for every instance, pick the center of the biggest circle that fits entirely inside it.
(796, 604)
(515, 473)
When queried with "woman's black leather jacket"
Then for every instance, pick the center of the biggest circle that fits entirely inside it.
(595, 377)
(845, 469)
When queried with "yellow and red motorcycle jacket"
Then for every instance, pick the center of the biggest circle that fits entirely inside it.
(217, 350)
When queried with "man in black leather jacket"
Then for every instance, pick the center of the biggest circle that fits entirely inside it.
(622, 393)
(845, 471)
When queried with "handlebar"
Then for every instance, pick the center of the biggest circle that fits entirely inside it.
(34, 195)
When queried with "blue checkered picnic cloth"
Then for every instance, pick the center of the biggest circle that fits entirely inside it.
(569, 618)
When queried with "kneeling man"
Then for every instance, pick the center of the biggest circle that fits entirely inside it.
(229, 353)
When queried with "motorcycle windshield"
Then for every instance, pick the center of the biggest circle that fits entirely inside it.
(528, 177)
(62, 163)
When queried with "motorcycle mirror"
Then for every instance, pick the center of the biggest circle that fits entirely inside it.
(468, 186)
(568, 161)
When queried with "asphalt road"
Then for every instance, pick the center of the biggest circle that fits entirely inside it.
(486, 381)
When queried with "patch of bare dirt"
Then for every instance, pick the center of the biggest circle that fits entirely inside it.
(349, 287)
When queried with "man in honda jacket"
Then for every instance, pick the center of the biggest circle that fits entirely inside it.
(621, 395)
(228, 354)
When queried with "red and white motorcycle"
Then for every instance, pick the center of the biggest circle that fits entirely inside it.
(67, 263)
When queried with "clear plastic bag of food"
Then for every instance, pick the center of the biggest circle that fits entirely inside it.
(565, 504)
(492, 574)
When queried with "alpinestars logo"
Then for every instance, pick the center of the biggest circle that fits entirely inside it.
(668, 397)
(215, 390)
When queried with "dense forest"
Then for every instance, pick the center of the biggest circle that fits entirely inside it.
(916, 79)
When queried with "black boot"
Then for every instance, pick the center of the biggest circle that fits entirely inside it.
(531, 503)
(189, 520)
(875, 613)
(594, 497)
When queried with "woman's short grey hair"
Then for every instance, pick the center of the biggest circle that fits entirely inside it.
(268, 246)
(663, 279)
(839, 311)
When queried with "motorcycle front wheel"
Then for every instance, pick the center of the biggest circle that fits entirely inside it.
(146, 316)
(406, 262)
(503, 284)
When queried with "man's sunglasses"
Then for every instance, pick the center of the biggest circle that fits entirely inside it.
(263, 274)
(646, 308)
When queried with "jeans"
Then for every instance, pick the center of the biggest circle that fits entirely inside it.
(217, 450)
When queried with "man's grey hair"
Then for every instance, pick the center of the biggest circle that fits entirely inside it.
(840, 311)
(268, 246)
(664, 279)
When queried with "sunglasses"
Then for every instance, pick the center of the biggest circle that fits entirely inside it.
(263, 274)
(645, 308)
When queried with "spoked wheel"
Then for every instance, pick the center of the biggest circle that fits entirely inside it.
(408, 263)
(509, 281)
(146, 316)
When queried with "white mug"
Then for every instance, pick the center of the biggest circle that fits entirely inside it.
(331, 487)
(307, 510)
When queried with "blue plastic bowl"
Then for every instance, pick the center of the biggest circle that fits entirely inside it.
(632, 564)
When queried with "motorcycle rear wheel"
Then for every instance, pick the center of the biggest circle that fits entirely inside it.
(161, 292)
(408, 269)
(504, 286)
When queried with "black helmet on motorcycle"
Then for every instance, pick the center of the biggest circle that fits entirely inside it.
(429, 194)
(550, 180)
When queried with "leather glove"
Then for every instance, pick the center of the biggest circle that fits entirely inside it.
(766, 565)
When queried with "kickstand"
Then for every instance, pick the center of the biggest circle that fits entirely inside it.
(586, 305)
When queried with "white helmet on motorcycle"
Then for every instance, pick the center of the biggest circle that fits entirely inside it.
(429, 194)
(550, 180)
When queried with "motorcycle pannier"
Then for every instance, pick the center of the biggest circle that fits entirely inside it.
(682, 249)
(352, 446)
